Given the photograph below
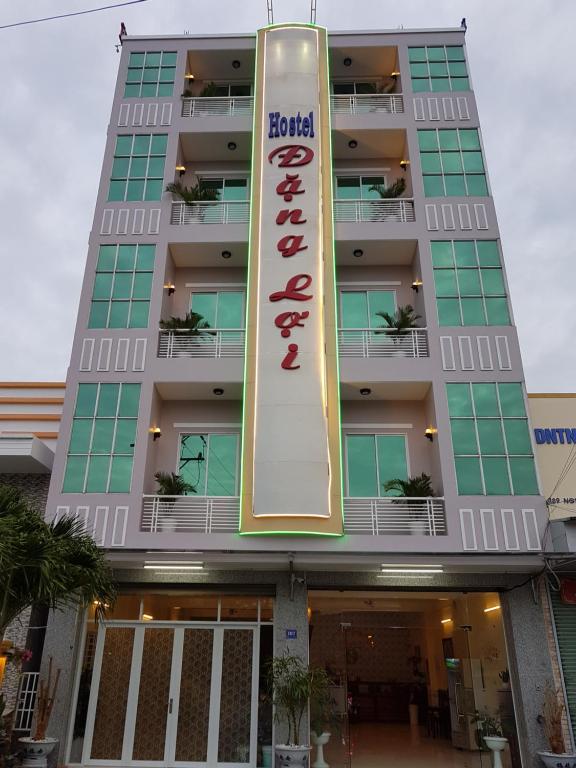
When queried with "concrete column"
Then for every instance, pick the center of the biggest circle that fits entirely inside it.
(62, 643)
(530, 667)
(291, 616)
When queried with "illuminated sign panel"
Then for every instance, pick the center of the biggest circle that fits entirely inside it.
(291, 472)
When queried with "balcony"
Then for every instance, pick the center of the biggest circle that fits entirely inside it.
(395, 516)
(210, 343)
(190, 514)
(234, 212)
(204, 106)
(367, 342)
(374, 211)
(365, 104)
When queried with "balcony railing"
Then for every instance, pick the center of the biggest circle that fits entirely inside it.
(394, 516)
(367, 103)
(206, 106)
(382, 342)
(384, 211)
(221, 342)
(191, 514)
(234, 212)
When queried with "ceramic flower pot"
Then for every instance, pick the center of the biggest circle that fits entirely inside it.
(36, 752)
(496, 744)
(320, 742)
(551, 760)
(289, 756)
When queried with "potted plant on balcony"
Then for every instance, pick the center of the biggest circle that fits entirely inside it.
(491, 735)
(293, 684)
(170, 487)
(37, 747)
(398, 325)
(419, 486)
(551, 719)
(191, 325)
(209, 91)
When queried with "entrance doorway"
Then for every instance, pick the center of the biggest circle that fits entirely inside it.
(166, 690)
(419, 678)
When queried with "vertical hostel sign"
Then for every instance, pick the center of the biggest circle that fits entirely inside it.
(291, 471)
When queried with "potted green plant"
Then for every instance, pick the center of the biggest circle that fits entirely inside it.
(491, 735)
(417, 487)
(293, 684)
(397, 325)
(395, 189)
(209, 91)
(37, 747)
(192, 324)
(551, 719)
(194, 194)
(170, 486)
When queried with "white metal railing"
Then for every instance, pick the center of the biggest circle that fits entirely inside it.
(26, 701)
(382, 342)
(395, 209)
(365, 103)
(395, 516)
(197, 514)
(232, 212)
(213, 342)
(218, 106)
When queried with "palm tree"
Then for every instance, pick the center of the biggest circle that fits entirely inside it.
(413, 487)
(195, 194)
(192, 324)
(400, 322)
(394, 190)
(53, 564)
(171, 485)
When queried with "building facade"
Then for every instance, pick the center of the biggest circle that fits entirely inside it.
(350, 422)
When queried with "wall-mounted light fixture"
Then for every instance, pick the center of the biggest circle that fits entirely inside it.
(155, 432)
(416, 284)
(365, 391)
(492, 608)
(404, 164)
(170, 287)
(429, 433)
(411, 569)
(347, 61)
(445, 621)
(358, 252)
(352, 143)
(226, 254)
(395, 74)
(181, 169)
(147, 617)
(232, 146)
(189, 76)
(236, 64)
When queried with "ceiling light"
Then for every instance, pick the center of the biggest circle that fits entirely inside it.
(347, 61)
(218, 391)
(147, 617)
(232, 146)
(365, 391)
(445, 621)
(236, 64)
(492, 608)
(160, 567)
(352, 143)
(358, 253)
(226, 254)
(412, 569)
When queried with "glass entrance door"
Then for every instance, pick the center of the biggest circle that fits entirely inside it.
(174, 696)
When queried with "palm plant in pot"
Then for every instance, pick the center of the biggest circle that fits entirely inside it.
(195, 194)
(551, 719)
(418, 487)
(170, 487)
(293, 684)
(38, 747)
(398, 325)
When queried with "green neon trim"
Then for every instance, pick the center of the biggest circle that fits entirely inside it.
(248, 287)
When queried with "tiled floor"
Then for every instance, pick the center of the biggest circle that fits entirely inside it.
(379, 745)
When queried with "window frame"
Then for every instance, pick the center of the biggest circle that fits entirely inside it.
(208, 433)
(128, 177)
(159, 82)
(461, 152)
(213, 289)
(367, 290)
(348, 432)
(360, 177)
(429, 77)
(377, 82)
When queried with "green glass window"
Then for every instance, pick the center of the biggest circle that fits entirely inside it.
(491, 439)
(101, 448)
(209, 462)
(358, 187)
(372, 460)
(452, 164)
(138, 167)
(229, 190)
(358, 309)
(469, 283)
(220, 309)
(438, 68)
(150, 74)
(122, 285)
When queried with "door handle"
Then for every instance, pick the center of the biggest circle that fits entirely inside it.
(170, 706)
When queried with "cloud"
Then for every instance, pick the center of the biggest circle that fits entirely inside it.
(59, 79)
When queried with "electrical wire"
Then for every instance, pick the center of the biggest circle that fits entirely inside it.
(74, 13)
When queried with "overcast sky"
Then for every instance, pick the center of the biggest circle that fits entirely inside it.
(58, 81)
